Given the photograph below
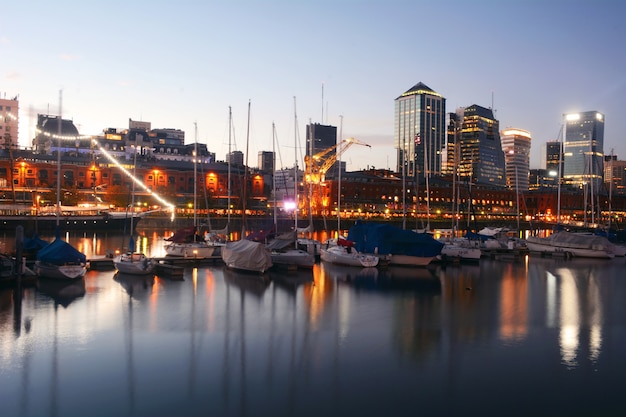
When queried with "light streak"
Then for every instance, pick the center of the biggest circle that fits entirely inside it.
(139, 183)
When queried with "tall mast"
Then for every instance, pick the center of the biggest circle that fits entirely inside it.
(339, 178)
(59, 132)
(560, 173)
(230, 118)
(295, 165)
(274, 173)
(195, 172)
(245, 178)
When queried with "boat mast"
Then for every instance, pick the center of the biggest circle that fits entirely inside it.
(339, 177)
(59, 132)
(559, 175)
(245, 177)
(195, 174)
(295, 166)
(230, 121)
(274, 174)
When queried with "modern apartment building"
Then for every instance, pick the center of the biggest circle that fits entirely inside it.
(516, 147)
(9, 121)
(583, 149)
(419, 131)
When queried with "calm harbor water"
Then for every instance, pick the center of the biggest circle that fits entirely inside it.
(537, 337)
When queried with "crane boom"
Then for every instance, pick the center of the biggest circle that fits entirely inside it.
(320, 163)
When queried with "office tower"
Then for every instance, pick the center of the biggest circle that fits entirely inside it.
(449, 165)
(320, 137)
(266, 161)
(419, 131)
(516, 147)
(481, 156)
(583, 149)
(9, 122)
(554, 158)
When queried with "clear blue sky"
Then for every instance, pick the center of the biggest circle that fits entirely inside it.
(174, 63)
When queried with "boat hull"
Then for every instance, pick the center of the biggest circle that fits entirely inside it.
(295, 257)
(49, 223)
(134, 264)
(339, 256)
(408, 260)
(64, 272)
(196, 250)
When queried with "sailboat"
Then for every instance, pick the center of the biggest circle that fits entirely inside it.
(244, 254)
(284, 250)
(59, 259)
(132, 262)
(186, 242)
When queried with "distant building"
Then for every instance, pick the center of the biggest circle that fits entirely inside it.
(9, 122)
(235, 158)
(615, 174)
(481, 157)
(419, 131)
(320, 137)
(53, 131)
(583, 148)
(554, 158)
(516, 148)
(139, 125)
(266, 161)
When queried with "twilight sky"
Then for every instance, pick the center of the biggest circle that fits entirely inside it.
(176, 63)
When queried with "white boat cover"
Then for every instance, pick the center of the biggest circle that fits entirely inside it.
(247, 255)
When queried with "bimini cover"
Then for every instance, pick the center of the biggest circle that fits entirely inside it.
(246, 254)
(60, 252)
(386, 239)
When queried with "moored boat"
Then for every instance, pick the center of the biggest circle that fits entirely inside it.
(60, 260)
(404, 247)
(246, 255)
(344, 253)
(574, 244)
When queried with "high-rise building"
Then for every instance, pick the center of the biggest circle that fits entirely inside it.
(554, 158)
(481, 156)
(583, 149)
(516, 147)
(320, 137)
(9, 122)
(266, 161)
(419, 131)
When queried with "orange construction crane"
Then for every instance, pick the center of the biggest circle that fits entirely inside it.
(317, 166)
(315, 173)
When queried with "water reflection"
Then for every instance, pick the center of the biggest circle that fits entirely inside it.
(313, 342)
(63, 292)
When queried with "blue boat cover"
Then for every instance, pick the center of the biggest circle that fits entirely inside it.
(60, 252)
(386, 239)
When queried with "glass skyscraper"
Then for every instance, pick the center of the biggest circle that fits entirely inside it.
(481, 155)
(419, 131)
(583, 148)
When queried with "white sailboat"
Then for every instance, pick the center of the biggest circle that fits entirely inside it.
(132, 262)
(187, 243)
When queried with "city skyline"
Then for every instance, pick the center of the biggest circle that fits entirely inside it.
(185, 63)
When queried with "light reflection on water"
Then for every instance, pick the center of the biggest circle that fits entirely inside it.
(453, 339)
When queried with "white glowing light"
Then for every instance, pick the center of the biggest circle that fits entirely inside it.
(289, 205)
(139, 183)
(572, 116)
